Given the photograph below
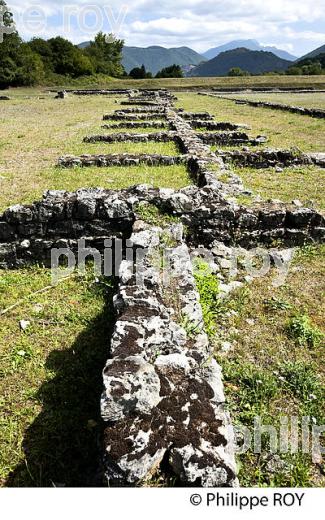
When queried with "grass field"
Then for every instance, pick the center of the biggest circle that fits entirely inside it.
(36, 130)
(305, 184)
(282, 129)
(51, 379)
(271, 373)
(50, 384)
(315, 100)
(317, 82)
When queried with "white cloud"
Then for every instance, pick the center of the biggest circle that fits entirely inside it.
(197, 23)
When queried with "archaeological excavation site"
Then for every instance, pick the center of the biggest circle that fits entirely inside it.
(184, 353)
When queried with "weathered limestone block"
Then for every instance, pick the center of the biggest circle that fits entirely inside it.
(19, 214)
(163, 395)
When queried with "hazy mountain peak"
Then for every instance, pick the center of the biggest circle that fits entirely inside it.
(250, 44)
(255, 62)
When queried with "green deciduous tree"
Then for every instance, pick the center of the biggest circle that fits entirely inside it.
(106, 55)
(174, 71)
(140, 73)
(237, 71)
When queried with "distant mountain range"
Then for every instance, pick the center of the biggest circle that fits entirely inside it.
(313, 54)
(155, 58)
(252, 45)
(254, 62)
(249, 55)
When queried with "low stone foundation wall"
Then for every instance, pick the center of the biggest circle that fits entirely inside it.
(102, 92)
(313, 112)
(193, 116)
(269, 158)
(145, 109)
(145, 103)
(234, 138)
(163, 393)
(123, 116)
(125, 159)
(163, 137)
(217, 125)
(27, 233)
(228, 138)
(138, 124)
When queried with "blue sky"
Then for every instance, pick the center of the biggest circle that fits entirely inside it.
(293, 25)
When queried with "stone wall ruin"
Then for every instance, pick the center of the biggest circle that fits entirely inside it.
(163, 405)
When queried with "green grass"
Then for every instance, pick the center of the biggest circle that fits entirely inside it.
(116, 177)
(153, 215)
(208, 287)
(303, 332)
(126, 130)
(310, 100)
(35, 132)
(306, 184)
(282, 128)
(51, 378)
(101, 81)
(169, 148)
(275, 367)
(270, 374)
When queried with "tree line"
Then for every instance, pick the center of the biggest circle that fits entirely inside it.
(174, 71)
(39, 61)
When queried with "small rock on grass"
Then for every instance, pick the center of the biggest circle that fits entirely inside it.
(24, 324)
(226, 346)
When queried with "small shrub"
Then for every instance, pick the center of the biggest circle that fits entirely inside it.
(303, 332)
(276, 304)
